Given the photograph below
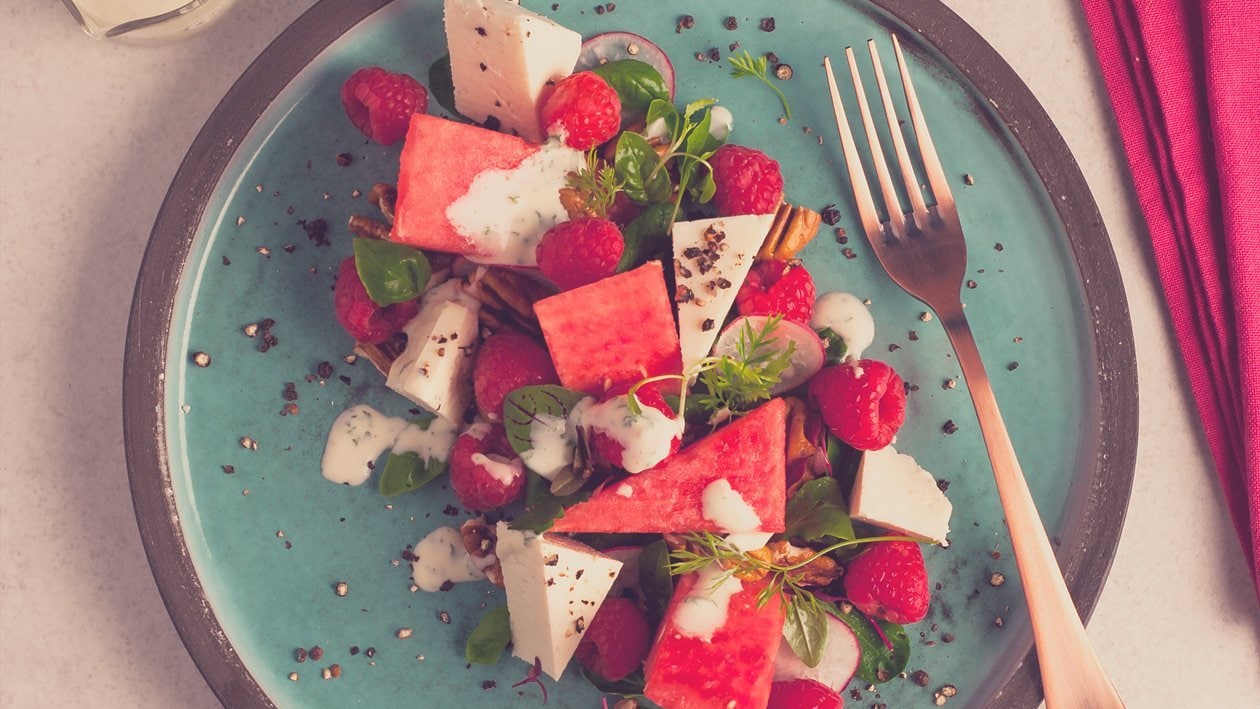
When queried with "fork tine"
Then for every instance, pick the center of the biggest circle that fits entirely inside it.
(852, 161)
(927, 150)
(896, 217)
(899, 143)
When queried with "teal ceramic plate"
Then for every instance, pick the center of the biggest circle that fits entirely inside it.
(247, 561)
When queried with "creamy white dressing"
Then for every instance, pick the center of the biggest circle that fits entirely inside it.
(748, 541)
(848, 317)
(441, 557)
(721, 122)
(726, 508)
(503, 470)
(704, 610)
(506, 212)
(624, 490)
(432, 443)
(646, 439)
(551, 445)
(359, 435)
(656, 129)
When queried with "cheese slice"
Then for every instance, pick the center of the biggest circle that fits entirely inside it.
(555, 587)
(892, 491)
(435, 370)
(502, 56)
(711, 259)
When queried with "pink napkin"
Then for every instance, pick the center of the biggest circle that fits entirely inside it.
(1184, 80)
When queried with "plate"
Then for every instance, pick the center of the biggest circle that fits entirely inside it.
(247, 560)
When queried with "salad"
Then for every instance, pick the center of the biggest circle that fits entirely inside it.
(592, 301)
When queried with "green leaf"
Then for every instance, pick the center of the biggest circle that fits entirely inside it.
(879, 662)
(695, 106)
(655, 578)
(490, 638)
(701, 143)
(405, 472)
(647, 237)
(523, 406)
(639, 169)
(805, 629)
(637, 84)
(704, 191)
(391, 273)
(835, 344)
(442, 85)
(818, 511)
(664, 110)
(542, 508)
(844, 461)
(630, 686)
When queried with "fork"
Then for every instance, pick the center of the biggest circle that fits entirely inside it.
(924, 252)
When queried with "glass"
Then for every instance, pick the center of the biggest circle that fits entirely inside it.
(145, 21)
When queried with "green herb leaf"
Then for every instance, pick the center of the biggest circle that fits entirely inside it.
(596, 185)
(630, 686)
(442, 85)
(747, 65)
(637, 84)
(655, 579)
(844, 461)
(664, 110)
(542, 508)
(837, 350)
(640, 170)
(647, 237)
(522, 407)
(805, 629)
(695, 106)
(879, 662)
(391, 273)
(490, 638)
(817, 512)
(700, 142)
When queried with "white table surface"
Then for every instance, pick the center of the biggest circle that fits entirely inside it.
(90, 136)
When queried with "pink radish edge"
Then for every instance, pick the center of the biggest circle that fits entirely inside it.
(807, 360)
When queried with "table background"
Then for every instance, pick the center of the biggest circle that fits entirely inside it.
(91, 134)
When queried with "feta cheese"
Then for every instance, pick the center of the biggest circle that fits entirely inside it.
(435, 371)
(893, 492)
(502, 56)
(711, 259)
(555, 587)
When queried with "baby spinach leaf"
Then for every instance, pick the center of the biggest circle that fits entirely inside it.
(637, 84)
(664, 110)
(805, 629)
(523, 407)
(491, 636)
(879, 662)
(646, 237)
(391, 273)
(631, 686)
(817, 510)
(640, 170)
(542, 508)
(655, 580)
(836, 347)
(405, 472)
(442, 86)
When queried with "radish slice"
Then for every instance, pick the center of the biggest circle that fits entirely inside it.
(807, 359)
(613, 46)
(839, 659)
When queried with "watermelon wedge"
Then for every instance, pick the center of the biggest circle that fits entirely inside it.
(734, 665)
(748, 455)
(614, 331)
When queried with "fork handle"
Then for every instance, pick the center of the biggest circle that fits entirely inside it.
(1070, 672)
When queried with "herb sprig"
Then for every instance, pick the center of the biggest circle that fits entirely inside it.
(748, 65)
(596, 184)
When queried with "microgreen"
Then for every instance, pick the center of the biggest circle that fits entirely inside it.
(748, 65)
(596, 185)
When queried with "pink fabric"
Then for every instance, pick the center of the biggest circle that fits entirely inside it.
(1184, 80)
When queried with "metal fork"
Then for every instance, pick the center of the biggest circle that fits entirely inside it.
(923, 251)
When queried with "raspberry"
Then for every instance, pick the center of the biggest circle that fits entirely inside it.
(889, 581)
(583, 109)
(803, 694)
(580, 251)
(485, 472)
(748, 181)
(360, 315)
(631, 430)
(380, 103)
(616, 640)
(863, 402)
(505, 362)
(777, 288)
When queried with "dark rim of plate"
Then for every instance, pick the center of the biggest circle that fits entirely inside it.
(1092, 532)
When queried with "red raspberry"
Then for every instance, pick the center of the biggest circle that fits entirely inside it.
(616, 640)
(777, 288)
(748, 181)
(863, 402)
(580, 251)
(803, 694)
(380, 103)
(889, 581)
(485, 472)
(610, 450)
(583, 109)
(505, 362)
(360, 315)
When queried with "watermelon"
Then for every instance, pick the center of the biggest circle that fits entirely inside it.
(440, 160)
(733, 668)
(614, 331)
(748, 454)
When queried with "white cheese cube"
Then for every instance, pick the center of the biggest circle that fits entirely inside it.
(711, 259)
(435, 371)
(893, 492)
(555, 587)
(502, 56)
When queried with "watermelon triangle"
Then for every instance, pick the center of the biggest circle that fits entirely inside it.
(749, 454)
